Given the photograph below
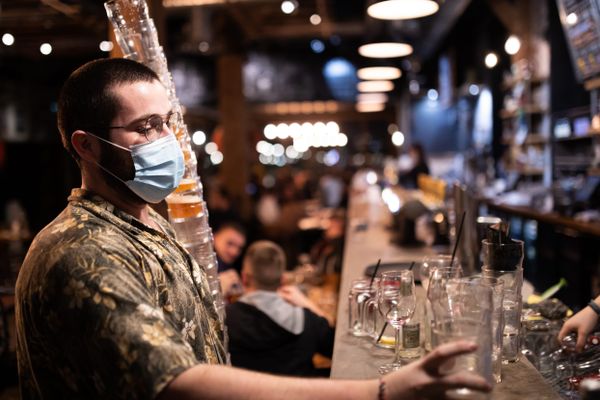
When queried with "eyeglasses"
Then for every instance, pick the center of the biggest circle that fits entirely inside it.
(152, 127)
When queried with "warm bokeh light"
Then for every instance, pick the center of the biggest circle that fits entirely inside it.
(512, 45)
(491, 60)
(46, 48)
(8, 39)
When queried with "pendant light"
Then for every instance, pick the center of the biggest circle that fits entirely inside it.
(375, 86)
(402, 9)
(379, 73)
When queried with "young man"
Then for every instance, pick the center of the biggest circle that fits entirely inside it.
(229, 241)
(109, 305)
(272, 328)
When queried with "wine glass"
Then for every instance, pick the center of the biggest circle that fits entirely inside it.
(397, 302)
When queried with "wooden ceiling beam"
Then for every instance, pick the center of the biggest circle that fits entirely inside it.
(439, 26)
(307, 30)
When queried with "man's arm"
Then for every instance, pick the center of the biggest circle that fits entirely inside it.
(418, 380)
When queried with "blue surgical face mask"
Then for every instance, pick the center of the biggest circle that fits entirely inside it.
(158, 168)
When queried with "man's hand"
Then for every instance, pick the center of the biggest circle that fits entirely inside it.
(422, 379)
(293, 295)
(581, 323)
(228, 279)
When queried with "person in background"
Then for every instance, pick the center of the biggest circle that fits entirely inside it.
(408, 179)
(220, 206)
(582, 323)
(271, 328)
(229, 241)
(109, 305)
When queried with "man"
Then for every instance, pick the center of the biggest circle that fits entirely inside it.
(270, 331)
(229, 241)
(109, 305)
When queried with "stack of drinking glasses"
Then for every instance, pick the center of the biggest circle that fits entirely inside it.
(503, 259)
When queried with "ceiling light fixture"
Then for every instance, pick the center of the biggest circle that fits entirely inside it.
(385, 50)
(375, 86)
(371, 98)
(402, 9)
(370, 107)
(378, 73)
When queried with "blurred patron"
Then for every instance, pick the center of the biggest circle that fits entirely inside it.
(418, 165)
(271, 328)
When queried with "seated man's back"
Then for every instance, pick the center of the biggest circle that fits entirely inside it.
(268, 333)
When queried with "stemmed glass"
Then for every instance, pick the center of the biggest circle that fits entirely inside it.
(397, 302)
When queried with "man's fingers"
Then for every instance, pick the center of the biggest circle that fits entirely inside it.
(445, 352)
(580, 341)
(564, 331)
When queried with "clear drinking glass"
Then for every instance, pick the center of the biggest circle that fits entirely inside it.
(473, 330)
(463, 295)
(397, 302)
(512, 304)
(428, 264)
(436, 261)
(360, 293)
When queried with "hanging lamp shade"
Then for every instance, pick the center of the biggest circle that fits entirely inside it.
(385, 50)
(402, 9)
(375, 86)
(379, 73)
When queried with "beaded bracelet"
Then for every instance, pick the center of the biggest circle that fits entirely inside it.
(381, 392)
(594, 307)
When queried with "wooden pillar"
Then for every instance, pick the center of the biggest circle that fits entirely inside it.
(233, 119)
(528, 20)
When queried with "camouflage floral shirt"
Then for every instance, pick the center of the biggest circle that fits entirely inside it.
(110, 308)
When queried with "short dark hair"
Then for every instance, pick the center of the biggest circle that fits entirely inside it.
(87, 100)
(266, 261)
(231, 224)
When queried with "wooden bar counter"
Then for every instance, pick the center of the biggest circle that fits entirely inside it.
(367, 240)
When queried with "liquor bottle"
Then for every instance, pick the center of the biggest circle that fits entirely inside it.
(411, 336)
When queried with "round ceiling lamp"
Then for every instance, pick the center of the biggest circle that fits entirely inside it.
(402, 9)
(378, 73)
(371, 98)
(385, 50)
(370, 107)
(375, 86)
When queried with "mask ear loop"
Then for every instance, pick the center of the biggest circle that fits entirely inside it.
(109, 142)
(114, 144)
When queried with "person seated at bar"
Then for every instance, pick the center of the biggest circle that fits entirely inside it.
(109, 305)
(271, 328)
(408, 179)
(229, 241)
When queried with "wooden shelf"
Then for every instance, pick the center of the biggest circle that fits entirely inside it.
(535, 138)
(532, 139)
(590, 135)
(511, 83)
(527, 171)
(526, 109)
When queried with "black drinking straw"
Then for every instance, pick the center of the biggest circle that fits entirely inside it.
(386, 324)
(460, 228)
(374, 273)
